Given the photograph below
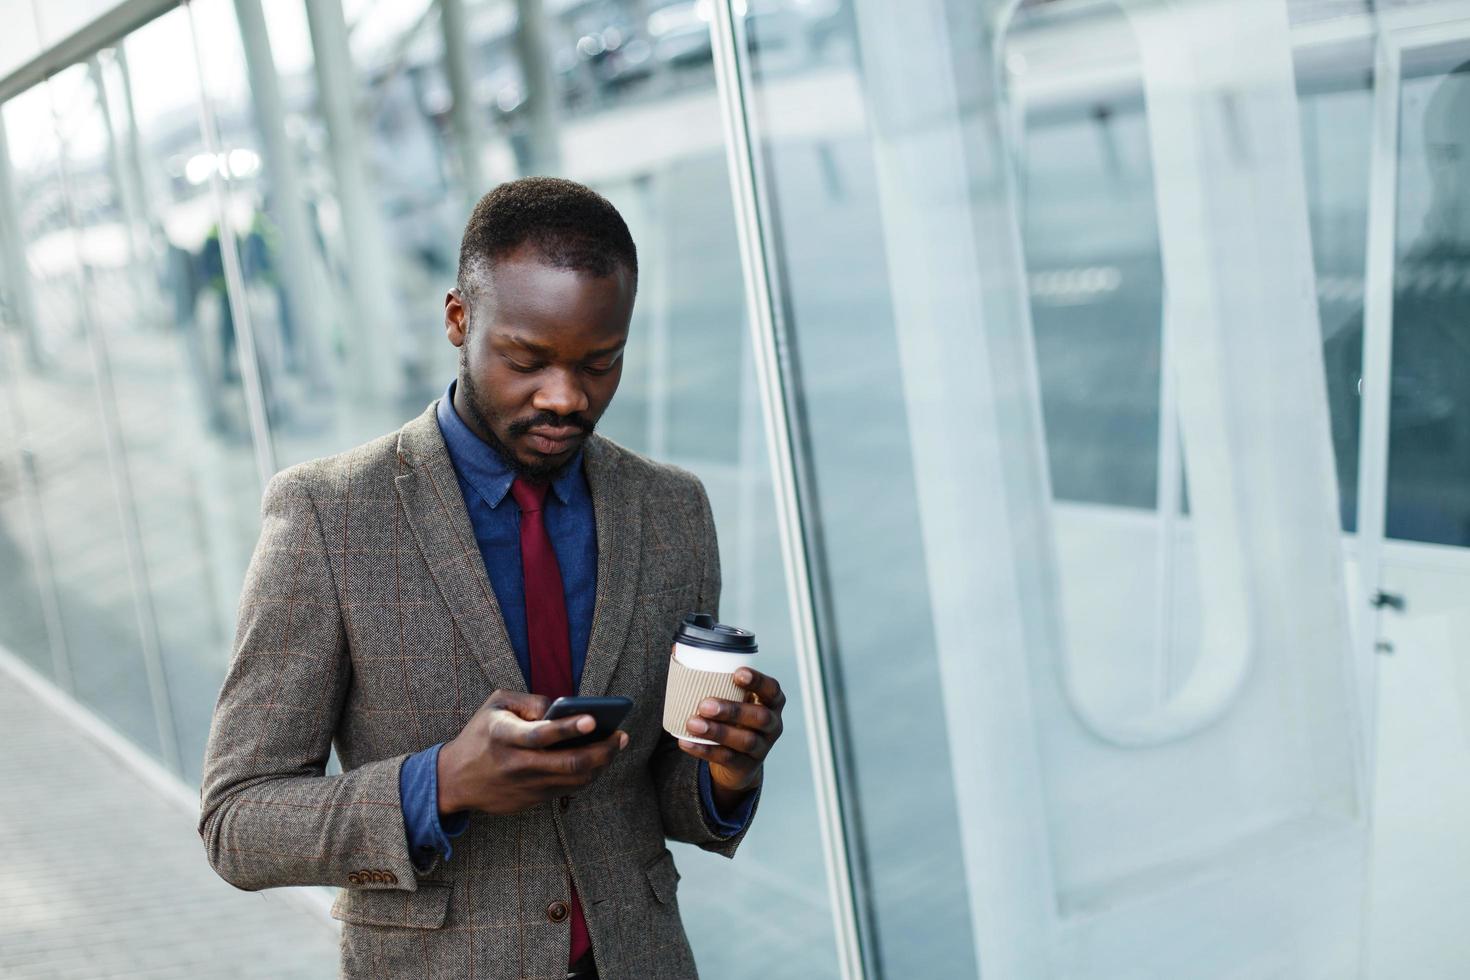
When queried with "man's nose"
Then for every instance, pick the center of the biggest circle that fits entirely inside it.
(561, 395)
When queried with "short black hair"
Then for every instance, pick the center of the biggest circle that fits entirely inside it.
(570, 225)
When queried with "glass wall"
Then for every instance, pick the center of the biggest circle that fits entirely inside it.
(145, 481)
(1064, 319)
(1125, 377)
(176, 368)
(61, 398)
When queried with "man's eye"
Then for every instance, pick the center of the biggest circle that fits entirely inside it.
(598, 370)
(523, 368)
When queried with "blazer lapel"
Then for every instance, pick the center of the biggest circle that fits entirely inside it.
(617, 508)
(435, 509)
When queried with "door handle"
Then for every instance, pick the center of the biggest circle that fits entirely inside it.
(1392, 600)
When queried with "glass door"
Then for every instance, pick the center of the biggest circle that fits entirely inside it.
(1415, 516)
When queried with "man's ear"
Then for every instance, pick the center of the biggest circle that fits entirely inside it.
(456, 318)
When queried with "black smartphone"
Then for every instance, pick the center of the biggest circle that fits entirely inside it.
(609, 713)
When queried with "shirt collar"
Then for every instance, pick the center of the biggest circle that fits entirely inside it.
(481, 466)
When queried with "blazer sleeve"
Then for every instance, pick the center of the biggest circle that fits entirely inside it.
(269, 816)
(675, 774)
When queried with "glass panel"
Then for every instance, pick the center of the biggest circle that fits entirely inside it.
(22, 617)
(347, 203)
(1335, 88)
(1429, 416)
(839, 293)
(312, 323)
(20, 41)
(74, 465)
(990, 292)
(23, 571)
(179, 404)
(1095, 277)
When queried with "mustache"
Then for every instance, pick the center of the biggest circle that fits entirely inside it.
(550, 420)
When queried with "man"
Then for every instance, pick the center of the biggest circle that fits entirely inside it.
(419, 600)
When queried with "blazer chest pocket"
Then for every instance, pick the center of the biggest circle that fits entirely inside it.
(663, 878)
(422, 909)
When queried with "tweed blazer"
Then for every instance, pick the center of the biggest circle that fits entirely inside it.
(367, 621)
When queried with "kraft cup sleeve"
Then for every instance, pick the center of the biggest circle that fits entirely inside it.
(687, 687)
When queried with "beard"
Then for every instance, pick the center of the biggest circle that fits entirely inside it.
(486, 418)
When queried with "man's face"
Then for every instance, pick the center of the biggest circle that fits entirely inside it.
(541, 354)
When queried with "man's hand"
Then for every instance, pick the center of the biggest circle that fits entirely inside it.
(745, 733)
(506, 760)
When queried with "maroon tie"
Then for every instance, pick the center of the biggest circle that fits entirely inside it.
(547, 633)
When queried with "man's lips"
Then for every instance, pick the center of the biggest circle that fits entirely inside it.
(552, 440)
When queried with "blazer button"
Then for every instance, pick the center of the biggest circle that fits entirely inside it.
(566, 803)
(354, 879)
(390, 877)
(558, 912)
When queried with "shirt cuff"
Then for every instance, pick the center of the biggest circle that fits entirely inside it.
(418, 790)
(726, 825)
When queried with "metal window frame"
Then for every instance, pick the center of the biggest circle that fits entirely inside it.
(855, 955)
(113, 26)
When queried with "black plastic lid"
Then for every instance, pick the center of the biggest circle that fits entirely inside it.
(701, 630)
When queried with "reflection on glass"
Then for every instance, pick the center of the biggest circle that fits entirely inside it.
(1429, 411)
(23, 570)
(56, 391)
(1068, 765)
(1336, 97)
(1428, 496)
(824, 189)
(1092, 254)
(175, 368)
(23, 628)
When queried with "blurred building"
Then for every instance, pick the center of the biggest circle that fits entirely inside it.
(1082, 388)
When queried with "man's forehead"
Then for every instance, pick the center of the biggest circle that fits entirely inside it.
(516, 337)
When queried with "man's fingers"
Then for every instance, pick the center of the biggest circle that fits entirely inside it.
(742, 740)
(763, 686)
(577, 766)
(545, 734)
(720, 755)
(756, 716)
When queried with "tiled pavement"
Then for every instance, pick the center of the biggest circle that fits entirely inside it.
(103, 877)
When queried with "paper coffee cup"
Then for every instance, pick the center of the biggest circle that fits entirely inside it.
(705, 657)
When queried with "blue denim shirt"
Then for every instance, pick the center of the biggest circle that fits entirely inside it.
(484, 482)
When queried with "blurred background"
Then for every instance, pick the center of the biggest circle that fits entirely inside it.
(1082, 388)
